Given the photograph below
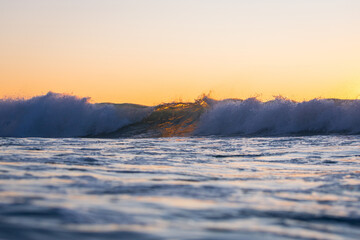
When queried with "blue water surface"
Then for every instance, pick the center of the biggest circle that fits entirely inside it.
(180, 188)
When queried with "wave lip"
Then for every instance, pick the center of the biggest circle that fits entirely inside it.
(58, 115)
(165, 120)
(281, 117)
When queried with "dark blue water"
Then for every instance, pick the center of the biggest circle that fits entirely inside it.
(180, 188)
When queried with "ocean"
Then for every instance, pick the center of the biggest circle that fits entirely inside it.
(180, 188)
(230, 169)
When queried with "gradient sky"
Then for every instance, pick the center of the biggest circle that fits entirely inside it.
(153, 51)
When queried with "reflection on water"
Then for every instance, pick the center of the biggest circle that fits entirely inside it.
(180, 188)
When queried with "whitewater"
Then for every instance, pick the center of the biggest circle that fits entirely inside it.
(57, 115)
(229, 169)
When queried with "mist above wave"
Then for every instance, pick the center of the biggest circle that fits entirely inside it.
(58, 115)
(281, 117)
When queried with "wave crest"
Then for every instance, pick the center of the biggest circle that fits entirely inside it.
(281, 117)
(58, 115)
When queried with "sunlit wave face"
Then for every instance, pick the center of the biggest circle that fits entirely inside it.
(177, 119)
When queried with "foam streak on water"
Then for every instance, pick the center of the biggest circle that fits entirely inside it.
(180, 188)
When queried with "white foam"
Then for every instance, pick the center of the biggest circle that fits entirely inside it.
(57, 115)
(281, 116)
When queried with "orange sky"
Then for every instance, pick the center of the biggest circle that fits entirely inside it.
(153, 51)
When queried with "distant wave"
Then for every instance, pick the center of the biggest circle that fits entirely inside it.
(281, 117)
(57, 115)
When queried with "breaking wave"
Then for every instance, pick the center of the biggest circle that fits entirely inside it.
(58, 115)
(281, 117)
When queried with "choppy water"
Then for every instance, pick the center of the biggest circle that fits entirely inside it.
(180, 188)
